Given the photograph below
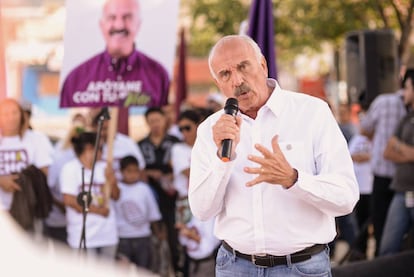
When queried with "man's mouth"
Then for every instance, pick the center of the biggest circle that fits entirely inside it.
(242, 93)
(241, 90)
(122, 32)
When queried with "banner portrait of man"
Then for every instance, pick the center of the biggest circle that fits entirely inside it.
(118, 53)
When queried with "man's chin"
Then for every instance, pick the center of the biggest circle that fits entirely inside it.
(119, 51)
(243, 97)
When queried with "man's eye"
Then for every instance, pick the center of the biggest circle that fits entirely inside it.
(225, 75)
(243, 67)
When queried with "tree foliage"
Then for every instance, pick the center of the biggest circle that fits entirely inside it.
(301, 24)
(212, 19)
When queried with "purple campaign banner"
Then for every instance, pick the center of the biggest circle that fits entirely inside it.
(97, 82)
(90, 78)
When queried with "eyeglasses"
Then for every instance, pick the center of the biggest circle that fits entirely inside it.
(184, 128)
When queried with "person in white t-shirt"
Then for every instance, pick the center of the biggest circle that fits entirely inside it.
(18, 150)
(54, 225)
(360, 148)
(101, 232)
(137, 215)
(180, 160)
(123, 146)
(201, 246)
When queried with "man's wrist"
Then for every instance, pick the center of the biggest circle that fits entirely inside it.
(294, 178)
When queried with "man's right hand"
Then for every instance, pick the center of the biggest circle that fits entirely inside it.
(8, 183)
(227, 127)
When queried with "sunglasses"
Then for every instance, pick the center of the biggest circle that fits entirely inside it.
(184, 128)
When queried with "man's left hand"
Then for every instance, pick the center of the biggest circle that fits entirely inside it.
(273, 167)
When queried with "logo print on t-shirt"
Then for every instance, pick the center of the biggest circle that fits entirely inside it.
(133, 213)
(13, 161)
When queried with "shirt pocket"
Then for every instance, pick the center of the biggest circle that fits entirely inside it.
(295, 154)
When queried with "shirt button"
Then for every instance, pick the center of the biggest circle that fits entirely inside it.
(289, 147)
(119, 77)
(129, 67)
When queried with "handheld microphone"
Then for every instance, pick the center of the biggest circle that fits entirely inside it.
(231, 107)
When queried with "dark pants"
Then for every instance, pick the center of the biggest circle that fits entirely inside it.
(381, 199)
(56, 233)
(363, 215)
(137, 250)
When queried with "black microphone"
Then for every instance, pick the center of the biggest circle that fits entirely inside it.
(104, 114)
(231, 107)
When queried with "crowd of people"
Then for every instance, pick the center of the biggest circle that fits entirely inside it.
(381, 143)
(138, 210)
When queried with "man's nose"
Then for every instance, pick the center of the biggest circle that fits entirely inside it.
(237, 78)
(119, 23)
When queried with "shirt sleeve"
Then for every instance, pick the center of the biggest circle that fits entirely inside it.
(179, 159)
(209, 175)
(43, 150)
(400, 126)
(66, 93)
(332, 188)
(137, 153)
(68, 180)
(152, 206)
(369, 121)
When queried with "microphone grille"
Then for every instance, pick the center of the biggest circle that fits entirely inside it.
(232, 102)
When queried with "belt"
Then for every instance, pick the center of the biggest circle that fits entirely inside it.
(270, 260)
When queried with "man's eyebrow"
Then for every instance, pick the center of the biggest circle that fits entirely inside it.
(224, 70)
(244, 62)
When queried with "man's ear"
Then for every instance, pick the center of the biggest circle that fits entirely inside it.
(216, 82)
(263, 63)
(101, 26)
(139, 21)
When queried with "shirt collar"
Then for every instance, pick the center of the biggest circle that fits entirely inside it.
(130, 60)
(276, 101)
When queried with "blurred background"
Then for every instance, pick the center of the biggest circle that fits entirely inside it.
(341, 51)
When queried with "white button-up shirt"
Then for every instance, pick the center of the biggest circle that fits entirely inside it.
(267, 218)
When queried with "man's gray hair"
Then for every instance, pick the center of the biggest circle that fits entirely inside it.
(137, 3)
(247, 39)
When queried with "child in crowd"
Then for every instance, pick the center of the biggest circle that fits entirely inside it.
(101, 236)
(137, 212)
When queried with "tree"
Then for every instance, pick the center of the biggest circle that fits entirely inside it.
(402, 20)
(302, 24)
(212, 19)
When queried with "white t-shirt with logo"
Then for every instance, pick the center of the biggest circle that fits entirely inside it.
(16, 154)
(100, 231)
(136, 208)
(123, 146)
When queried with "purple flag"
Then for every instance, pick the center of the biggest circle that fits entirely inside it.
(261, 31)
(181, 81)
